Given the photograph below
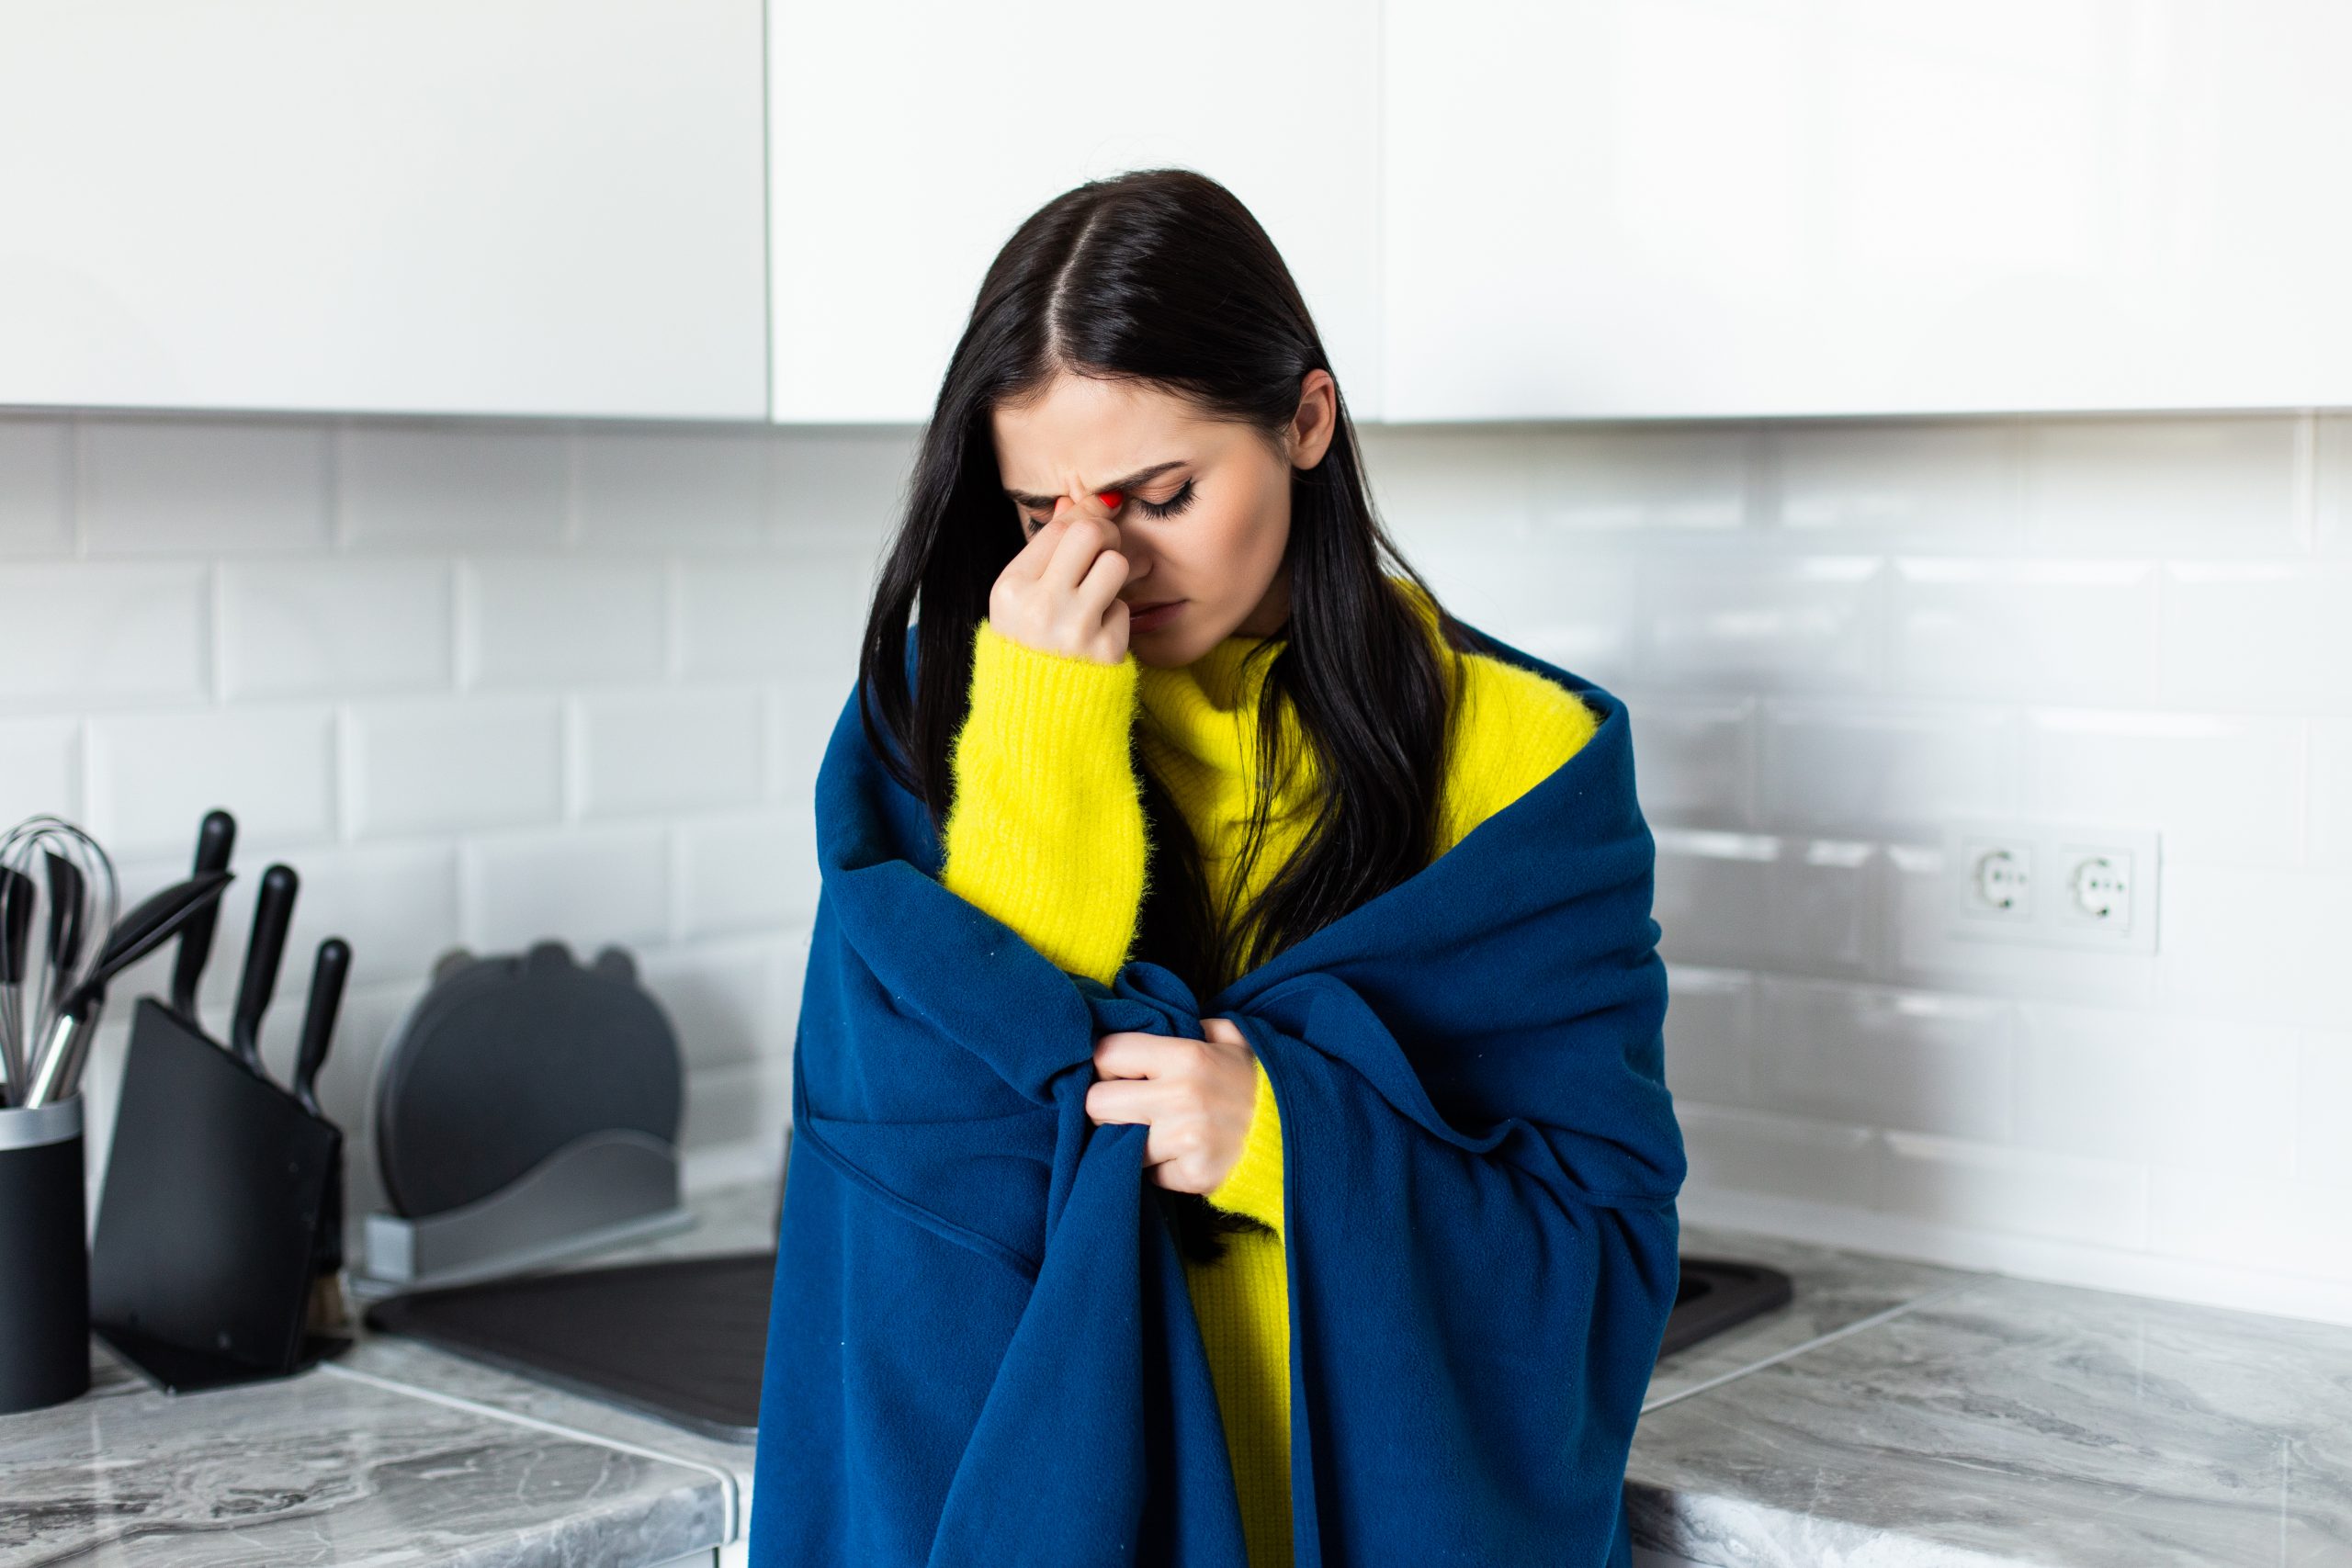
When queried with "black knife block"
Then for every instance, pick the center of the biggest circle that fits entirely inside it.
(218, 1190)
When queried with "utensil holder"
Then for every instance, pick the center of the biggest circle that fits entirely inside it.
(44, 1262)
(211, 1221)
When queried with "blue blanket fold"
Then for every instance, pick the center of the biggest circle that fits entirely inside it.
(981, 1348)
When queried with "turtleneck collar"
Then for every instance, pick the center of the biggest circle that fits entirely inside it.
(1208, 709)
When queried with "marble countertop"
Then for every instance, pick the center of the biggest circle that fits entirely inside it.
(1894, 1413)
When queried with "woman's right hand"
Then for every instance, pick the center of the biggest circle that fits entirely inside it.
(1060, 595)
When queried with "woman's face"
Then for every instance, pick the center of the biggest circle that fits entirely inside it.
(1209, 524)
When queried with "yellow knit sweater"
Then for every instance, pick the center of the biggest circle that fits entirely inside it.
(1047, 834)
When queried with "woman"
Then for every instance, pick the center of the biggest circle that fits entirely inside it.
(1203, 720)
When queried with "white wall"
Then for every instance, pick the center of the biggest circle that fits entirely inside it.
(1833, 637)
(488, 682)
(478, 683)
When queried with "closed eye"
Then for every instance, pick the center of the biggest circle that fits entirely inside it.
(1182, 498)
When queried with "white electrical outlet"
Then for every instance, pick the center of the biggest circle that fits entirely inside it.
(2051, 885)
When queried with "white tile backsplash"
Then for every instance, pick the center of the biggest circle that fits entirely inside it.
(446, 764)
(551, 621)
(101, 635)
(327, 627)
(36, 470)
(183, 486)
(488, 682)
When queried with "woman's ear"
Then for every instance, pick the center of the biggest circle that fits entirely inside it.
(1318, 419)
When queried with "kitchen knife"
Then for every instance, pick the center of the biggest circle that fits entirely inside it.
(327, 975)
(214, 841)
(273, 912)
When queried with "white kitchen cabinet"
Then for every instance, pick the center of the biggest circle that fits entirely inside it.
(909, 140)
(489, 206)
(1641, 207)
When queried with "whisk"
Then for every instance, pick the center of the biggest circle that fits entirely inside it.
(58, 902)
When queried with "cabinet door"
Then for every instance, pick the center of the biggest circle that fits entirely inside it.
(909, 140)
(1634, 207)
(491, 207)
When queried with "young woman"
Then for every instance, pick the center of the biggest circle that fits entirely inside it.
(1209, 711)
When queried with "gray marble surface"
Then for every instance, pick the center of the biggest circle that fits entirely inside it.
(1895, 1413)
(1832, 1292)
(2011, 1422)
(329, 1469)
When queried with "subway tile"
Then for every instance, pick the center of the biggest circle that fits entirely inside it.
(1780, 1156)
(2260, 636)
(1710, 1034)
(1751, 900)
(326, 627)
(1756, 623)
(1675, 477)
(803, 712)
(2252, 943)
(667, 750)
(1896, 484)
(2213, 784)
(2249, 1223)
(1918, 1060)
(2331, 794)
(91, 634)
(2323, 1107)
(741, 618)
(2199, 1093)
(587, 886)
(2047, 631)
(737, 1104)
(36, 470)
(201, 486)
(672, 490)
(839, 487)
(1949, 1181)
(1574, 611)
(719, 1000)
(1435, 485)
(1884, 769)
(534, 620)
(1694, 758)
(445, 765)
(40, 768)
(153, 777)
(750, 872)
(2184, 486)
(416, 482)
(1713, 900)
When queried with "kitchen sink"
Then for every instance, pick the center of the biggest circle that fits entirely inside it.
(1717, 1293)
(683, 1340)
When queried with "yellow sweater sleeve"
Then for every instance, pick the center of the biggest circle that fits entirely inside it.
(1045, 831)
(1254, 1184)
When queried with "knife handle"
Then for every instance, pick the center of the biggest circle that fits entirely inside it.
(273, 913)
(327, 975)
(214, 842)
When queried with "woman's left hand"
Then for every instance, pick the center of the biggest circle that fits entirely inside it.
(1197, 1096)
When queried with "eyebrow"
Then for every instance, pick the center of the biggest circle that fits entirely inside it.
(1143, 477)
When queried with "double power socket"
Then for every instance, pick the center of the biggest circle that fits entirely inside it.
(2051, 885)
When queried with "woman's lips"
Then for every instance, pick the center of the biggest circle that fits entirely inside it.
(1144, 617)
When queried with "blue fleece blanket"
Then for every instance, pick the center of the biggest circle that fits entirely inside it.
(982, 1351)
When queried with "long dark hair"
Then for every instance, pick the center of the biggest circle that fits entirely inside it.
(1162, 278)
